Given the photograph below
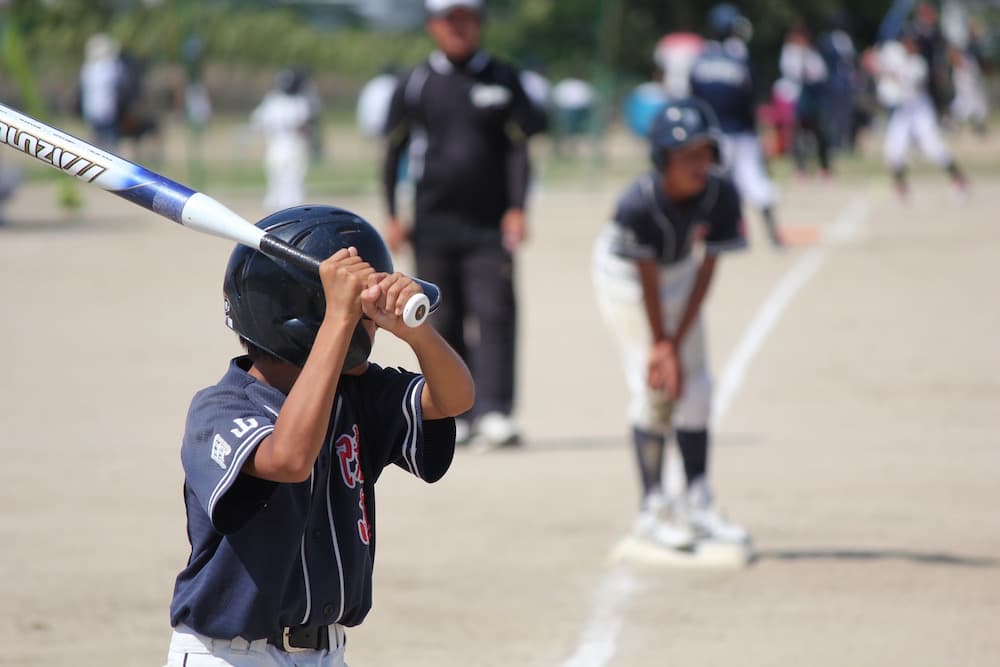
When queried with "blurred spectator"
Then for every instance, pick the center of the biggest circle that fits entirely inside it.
(933, 46)
(971, 102)
(840, 56)
(283, 116)
(675, 55)
(466, 121)
(778, 119)
(803, 67)
(101, 79)
(373, 103)
(538, 89)
(573, 104)
(10, 179)
(197, 105)
(642, 106)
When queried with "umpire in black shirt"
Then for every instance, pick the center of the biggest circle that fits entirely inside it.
(466, 121)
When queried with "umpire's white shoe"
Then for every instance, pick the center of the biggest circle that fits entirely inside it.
(706, 519)
(497, 429)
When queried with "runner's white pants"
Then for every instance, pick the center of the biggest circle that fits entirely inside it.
(619, 299)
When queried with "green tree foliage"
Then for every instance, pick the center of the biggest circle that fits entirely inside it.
(564, 37)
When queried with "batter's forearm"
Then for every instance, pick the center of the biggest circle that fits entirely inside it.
(649, 279)
(448, 387)
(289, 453)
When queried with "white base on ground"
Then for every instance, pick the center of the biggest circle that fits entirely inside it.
(705, 555)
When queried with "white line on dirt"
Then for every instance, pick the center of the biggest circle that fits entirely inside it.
(599, 640)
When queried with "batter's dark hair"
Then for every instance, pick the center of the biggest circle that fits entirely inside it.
(255, 353)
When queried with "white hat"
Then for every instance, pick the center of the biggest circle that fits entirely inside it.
(441, 7)
(101, 47)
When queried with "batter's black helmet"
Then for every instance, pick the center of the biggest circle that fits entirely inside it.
(279, 307)
(678, 124)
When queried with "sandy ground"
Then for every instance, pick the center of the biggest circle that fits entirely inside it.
(861, 449)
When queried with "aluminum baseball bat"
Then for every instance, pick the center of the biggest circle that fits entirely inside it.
(165, 197)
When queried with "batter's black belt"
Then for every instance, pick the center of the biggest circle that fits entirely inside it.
(302, 638)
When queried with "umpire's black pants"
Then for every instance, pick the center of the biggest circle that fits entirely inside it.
(478, 312)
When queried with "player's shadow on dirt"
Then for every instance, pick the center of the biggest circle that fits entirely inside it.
(924, 558)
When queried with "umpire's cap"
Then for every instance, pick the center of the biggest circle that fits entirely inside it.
(680, 123)
(279, 307)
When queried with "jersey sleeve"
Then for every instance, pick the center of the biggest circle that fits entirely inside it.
(726, 229)
(223, 430)
(635, 236)
(422, 448)
(527, 118)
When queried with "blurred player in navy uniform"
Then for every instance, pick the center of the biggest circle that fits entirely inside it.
(466, 120)
(721, 77)
(282, 455)
(653, 266)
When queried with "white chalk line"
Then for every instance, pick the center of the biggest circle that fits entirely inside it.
(599, 639)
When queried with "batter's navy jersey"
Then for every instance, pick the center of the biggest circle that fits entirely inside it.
(648, 226)
(266, 555)
(721, 77)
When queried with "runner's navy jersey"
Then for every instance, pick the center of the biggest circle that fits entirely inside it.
(648, 226)
(721, 77)
(267, 555)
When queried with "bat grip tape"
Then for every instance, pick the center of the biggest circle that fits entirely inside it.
(278, 249)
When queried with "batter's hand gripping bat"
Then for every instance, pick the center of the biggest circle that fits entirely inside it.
(165, 197)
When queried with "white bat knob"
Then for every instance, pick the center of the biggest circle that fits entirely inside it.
(416, 310)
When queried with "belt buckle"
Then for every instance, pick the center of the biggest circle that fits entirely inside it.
(286, 646)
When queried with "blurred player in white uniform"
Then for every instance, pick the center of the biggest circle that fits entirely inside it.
(902, 88)
(284, 116)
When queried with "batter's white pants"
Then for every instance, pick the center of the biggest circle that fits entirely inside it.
(743, 160)
(619, 299)
(190, 649)
(914, 121)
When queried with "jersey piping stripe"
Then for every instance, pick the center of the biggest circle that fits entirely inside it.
(329, 513)
(723, 246)
(413, 392)
(410, 439)
(239, 459)
(305, 566)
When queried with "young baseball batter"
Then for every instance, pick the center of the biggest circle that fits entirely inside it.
(651, 284)
(281, 456)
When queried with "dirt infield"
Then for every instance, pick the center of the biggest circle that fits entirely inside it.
(861, 447)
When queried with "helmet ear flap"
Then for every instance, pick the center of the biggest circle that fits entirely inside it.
(660, 157)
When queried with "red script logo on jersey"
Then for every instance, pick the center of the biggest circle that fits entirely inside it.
(350, 470)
